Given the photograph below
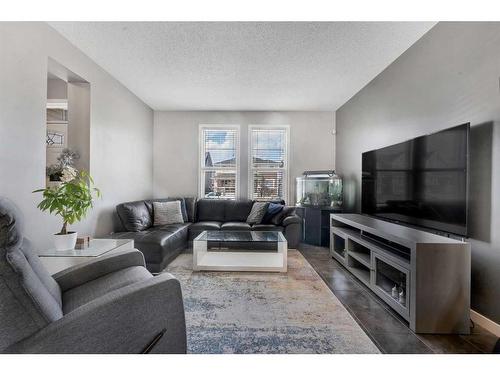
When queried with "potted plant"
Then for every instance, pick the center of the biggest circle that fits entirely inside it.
(71, 200)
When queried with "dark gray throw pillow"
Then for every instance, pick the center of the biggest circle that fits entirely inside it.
(134, 216)
(272, 210)
(257, 213)
(285, 212)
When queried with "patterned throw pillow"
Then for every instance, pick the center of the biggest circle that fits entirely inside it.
(259, 209)
(167, 213)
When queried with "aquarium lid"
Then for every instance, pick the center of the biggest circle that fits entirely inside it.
(328, 173)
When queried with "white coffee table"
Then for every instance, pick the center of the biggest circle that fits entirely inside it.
(55, 261)
(239, 251)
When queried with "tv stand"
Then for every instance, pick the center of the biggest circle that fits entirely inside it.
(431, 271)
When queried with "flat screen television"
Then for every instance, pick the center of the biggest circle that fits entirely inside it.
(421, 182)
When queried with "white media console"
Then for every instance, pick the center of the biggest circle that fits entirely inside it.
(432, 271)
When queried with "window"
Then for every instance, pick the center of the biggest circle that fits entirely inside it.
(219, 161)
(268, 162)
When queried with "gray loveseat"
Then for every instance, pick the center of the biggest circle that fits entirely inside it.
(161, 244)
(111, 305)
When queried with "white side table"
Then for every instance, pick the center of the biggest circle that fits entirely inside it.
(55, 261)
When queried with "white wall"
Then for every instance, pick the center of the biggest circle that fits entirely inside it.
(57, 89)
(176, 146)
(79, 122)
(121, 129)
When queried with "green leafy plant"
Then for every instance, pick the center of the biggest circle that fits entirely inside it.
(72, 199)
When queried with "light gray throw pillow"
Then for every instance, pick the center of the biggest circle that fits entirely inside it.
(167, 213)
(257, 213)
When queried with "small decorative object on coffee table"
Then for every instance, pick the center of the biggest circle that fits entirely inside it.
(82, 242)
(240, 251)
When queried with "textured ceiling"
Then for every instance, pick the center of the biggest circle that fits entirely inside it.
(243, 65)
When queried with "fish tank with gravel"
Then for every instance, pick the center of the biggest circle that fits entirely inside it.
(319, 189)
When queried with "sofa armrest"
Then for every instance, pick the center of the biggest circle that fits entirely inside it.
(292, 230)
(126, 320)
(292, 219)
(83, 273)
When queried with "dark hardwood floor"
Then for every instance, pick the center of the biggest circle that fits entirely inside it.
(384, 326)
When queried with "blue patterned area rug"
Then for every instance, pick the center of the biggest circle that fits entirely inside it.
(250, 312)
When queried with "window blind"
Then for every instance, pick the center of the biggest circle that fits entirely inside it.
(268, 185)
(219, 147)
(268, 148)
(219, 164)
(268, 164)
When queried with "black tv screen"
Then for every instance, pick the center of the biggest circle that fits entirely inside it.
(422, 182)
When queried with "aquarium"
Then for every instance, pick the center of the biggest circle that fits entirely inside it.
(319, 188)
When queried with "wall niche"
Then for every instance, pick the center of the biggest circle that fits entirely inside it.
(67, 136)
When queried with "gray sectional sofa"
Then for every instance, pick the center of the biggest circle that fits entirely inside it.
(161, 244)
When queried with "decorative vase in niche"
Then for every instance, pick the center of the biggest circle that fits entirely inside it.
(402, 297)
(395, 292)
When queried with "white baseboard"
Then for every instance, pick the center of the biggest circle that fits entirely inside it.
(486, 323)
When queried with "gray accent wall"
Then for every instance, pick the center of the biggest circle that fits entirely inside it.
(449, 77)
(121, 130)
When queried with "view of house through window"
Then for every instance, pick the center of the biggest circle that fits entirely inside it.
(219, 161)
(268, 162)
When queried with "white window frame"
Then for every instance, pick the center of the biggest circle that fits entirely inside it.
(201, 157)
(285, 168)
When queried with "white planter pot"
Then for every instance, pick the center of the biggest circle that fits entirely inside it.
(65, 241)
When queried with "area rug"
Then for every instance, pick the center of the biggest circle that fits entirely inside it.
(250, 312)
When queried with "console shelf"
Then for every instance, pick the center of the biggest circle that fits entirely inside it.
(358, 269)
(422, 276)
(363, 258)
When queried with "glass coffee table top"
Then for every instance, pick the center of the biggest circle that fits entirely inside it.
(241, 236)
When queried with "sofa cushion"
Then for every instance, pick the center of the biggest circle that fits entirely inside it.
(206, 225)
(272, 210)
(167, 213)
(267, 227)
(235, 225)
(237, 210)
(79, 296)
(190, 203)
(172, 228)
(257, 213)
(158, 242)
(44, 300)
(134, 216)
(285, 212)
(210, 210)
(196, 228)
(149, 205)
